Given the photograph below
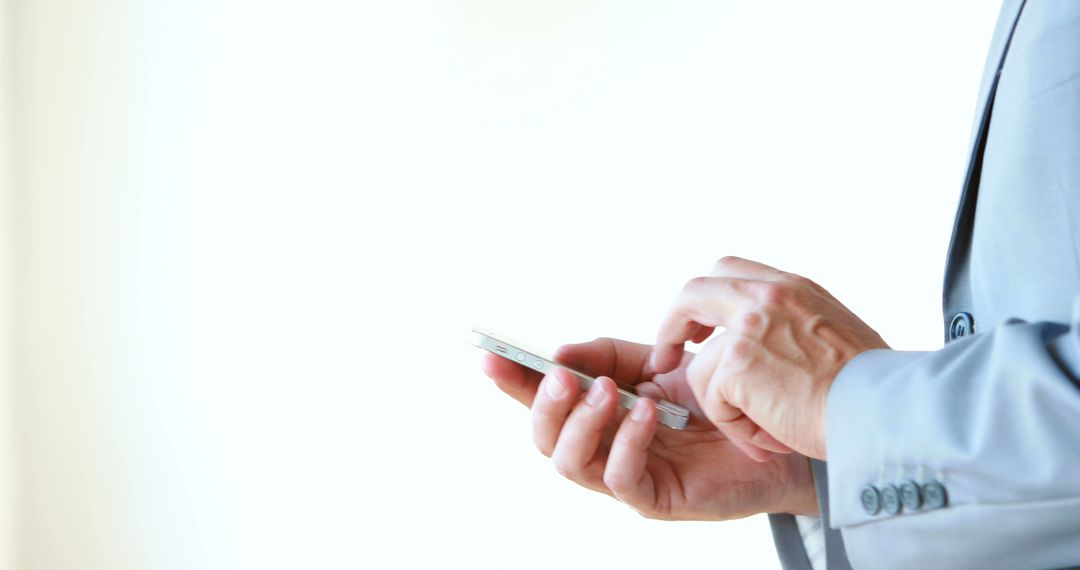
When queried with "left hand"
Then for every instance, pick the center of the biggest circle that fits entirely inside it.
(770, 371)
(690, 474)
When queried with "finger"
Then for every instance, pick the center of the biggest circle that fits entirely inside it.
(737, 267)
(702, 334)
(704, 301)
(701, 377)
(577, 454)
(625, 473)
(517, 381)
(741, 431)
(556, 397)
(618, 359)
(766, 441)
(738, 428)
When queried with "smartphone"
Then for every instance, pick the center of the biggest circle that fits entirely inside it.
(671, 415)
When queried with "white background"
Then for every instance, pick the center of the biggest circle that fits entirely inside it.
(249, 238)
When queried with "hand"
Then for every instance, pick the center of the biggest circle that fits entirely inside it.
(770, 371)
(694, 474)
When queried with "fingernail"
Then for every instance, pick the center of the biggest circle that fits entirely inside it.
(640, 410)
(554, 387)
(596, 394)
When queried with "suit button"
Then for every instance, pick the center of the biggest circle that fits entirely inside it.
(910, 496)
(871, 500)
(934, 495)
(963, 324)
(890, 499)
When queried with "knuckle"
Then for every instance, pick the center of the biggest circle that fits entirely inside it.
(606, 343)
(799, 279)
(542, 445)
(772, 293)
(734, 396)
(714, 416)
(750, 321)
(614, 481)
(697, 284)
(565, 469)
(740, 350)
(727, 261)
(805, 284)
(541, 410)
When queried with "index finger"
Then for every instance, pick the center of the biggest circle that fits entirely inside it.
(624, 361)
(737, 268)
(741, 268)
(518, 382)
(703, 302)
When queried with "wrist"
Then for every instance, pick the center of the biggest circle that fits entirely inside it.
(800, 495)
(818, 416)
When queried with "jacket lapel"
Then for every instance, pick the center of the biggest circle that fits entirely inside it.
(1010, 12)
(956, 293)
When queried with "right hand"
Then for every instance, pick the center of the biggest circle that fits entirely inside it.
(693, 474)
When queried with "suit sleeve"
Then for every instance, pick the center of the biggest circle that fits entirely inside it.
(994, 418)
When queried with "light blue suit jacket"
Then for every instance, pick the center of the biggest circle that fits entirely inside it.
(994, 416)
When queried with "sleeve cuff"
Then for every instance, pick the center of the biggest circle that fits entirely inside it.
(853, 427)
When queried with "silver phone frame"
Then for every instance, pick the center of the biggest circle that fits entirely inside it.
(671, 415)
